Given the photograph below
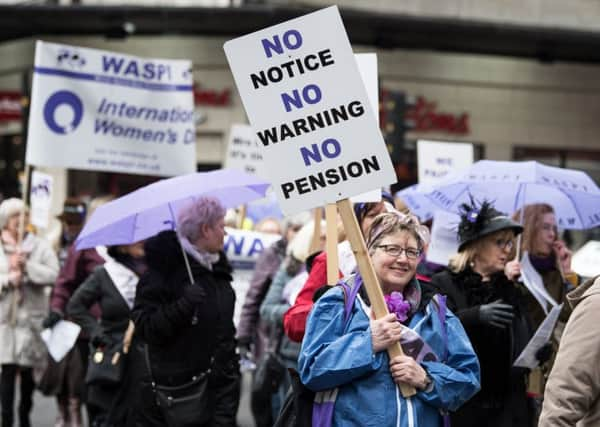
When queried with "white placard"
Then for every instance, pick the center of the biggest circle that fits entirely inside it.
(304, 97)
(40, 198)
(444, 241)
(437, 160)
(60, 339)
(243, 248)
(586, 261)
(243, 152)
(99, 110)
(367, 67)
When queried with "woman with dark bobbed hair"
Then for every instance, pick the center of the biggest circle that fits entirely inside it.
(492, 310)
(184, 312)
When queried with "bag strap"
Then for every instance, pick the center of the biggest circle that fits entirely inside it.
(350, 291)
(441, 312)
(147, 360)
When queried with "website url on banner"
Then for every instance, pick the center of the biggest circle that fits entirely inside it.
(119, 81)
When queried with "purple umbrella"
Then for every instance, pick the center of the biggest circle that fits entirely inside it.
(151, 209)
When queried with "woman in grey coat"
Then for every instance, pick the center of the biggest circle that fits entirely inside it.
(25, 270)
(113, 286)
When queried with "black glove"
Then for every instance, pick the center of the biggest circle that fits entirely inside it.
(100, 341)
(53, 318)
(544, 353)
(496, 314)
(194, 294)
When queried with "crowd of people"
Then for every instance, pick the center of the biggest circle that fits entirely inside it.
(158, 345)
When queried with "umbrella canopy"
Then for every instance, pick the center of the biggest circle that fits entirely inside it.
(151, 209)
(510, 185)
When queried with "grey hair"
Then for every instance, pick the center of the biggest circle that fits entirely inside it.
(204, 210)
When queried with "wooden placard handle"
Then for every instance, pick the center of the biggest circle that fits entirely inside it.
(370, 281)
(332, 242)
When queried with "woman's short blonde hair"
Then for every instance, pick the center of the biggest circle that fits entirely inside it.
(466, 257)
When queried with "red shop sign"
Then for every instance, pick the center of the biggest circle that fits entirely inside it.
(427, 119)
(10, 106)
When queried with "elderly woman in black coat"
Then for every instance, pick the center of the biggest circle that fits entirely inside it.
(184, 312)
(493, 312)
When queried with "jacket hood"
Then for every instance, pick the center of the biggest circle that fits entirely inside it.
(586, 289)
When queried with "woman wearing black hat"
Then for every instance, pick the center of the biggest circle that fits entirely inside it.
(492, 311)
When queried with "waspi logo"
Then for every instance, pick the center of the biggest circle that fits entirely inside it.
(70, 112)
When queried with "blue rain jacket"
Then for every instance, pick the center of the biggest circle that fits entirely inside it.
(336, 356)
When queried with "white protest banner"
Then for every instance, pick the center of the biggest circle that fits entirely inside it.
(243, 152)
(437, 159)
(304, 97)
(444, 241)
(40, 198)
(243, 248)
(99, 110)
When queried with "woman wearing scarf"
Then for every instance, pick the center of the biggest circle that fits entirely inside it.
(492, 310)
(25, 270)
(350, 354)
(188, 324)
(113, 286)
(550, 257)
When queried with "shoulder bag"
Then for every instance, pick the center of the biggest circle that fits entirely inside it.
(185, 405)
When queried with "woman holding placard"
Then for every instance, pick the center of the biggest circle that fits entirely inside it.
(344, 354)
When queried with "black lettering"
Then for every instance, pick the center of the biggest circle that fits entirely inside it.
(300, 126)
(356, 109)
(267, 136)
(287, 188)
(358, 170)
(326, 58)
(256, 79)
(302, 185)
(371, 165)
(310, 66)
(332, 176)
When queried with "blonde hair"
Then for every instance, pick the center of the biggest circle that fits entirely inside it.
(532, 223)
(464, 258)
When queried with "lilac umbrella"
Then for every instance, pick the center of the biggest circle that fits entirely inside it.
(510, 185)
(151, 209)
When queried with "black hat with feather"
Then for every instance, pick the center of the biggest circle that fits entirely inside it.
(481, 219)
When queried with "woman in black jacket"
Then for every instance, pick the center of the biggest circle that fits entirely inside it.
(112, 286)
(492, 311)
(188, 326)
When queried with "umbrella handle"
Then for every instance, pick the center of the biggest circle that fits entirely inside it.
(189, 271)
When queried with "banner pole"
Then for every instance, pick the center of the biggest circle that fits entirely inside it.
(369, 278)
(17, 294)
(242, 216)
(332, 244)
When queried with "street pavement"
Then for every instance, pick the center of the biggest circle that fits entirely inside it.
(44, 410)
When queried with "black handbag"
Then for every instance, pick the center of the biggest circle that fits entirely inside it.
(186, 405)
(270, 370)
(106, 365)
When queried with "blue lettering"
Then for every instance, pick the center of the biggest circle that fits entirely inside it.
(311, 95)
(237, 246)
(108, 63)
(329, 152)
(149, 72)
(256, 248)
(307, 154)
(292, 39)
(132, 68)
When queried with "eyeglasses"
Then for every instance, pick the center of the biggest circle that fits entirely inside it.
(505, 244)
(396, 251)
